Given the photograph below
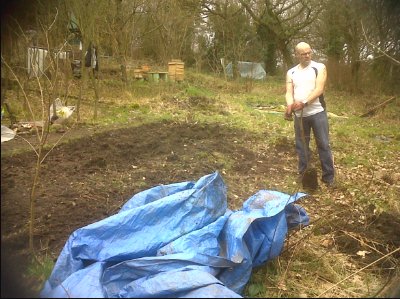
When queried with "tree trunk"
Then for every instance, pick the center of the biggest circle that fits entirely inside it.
(270, 58)
(286, 53)
(78, 104)
(124, 73)
(82, 82)
(32, 199)
(96, 92)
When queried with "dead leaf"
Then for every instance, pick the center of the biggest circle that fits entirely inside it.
(362, 253)
(327, 243)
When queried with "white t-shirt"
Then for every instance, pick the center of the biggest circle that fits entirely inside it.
(304, 81)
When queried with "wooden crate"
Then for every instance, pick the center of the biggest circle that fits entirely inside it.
(137, 74)
(176, 70)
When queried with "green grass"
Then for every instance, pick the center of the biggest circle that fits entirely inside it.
(40, 269)
(193, 91)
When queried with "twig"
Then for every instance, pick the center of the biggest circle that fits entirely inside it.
(54, 145)
(55, 18)
(390, 253)
(312, 230)
(65, 290)
(288, 264)
(361, 241)
(30, 144)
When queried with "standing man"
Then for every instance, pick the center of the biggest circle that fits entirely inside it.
(305, 85)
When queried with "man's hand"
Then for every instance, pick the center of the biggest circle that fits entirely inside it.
(297, 105)
(288, 112)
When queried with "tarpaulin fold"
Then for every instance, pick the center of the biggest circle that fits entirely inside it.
(177, 240)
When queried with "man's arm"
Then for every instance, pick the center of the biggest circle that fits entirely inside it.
(319, 85)
(289, 91)
(319, 89)
(289, 97)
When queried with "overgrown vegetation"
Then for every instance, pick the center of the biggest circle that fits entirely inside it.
(336, 246)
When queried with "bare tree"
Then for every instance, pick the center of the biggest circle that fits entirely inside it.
(232, 31)
(378, 49)
(381, 31)
(124, 29)
(279, 22)
(360, 41)
(45, 78)
(89, 17)
(171, 24)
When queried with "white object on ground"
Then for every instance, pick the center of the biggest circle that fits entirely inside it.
(63, 112)
(333, 115)
(6, 134)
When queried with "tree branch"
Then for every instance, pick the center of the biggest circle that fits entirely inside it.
(377, 48)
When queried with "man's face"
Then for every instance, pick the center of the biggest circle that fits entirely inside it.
(304, 55)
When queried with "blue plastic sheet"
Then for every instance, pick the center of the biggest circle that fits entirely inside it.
(178, 240)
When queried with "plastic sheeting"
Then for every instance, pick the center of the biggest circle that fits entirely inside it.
(63, 112)
(6, 134)
(253, 70)
(36, 61)
(177, 240)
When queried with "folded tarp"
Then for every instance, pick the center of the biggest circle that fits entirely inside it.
(177, 240)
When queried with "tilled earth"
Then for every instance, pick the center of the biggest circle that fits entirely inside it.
(90, 175)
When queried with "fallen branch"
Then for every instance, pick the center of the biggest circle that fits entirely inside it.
(373, 109)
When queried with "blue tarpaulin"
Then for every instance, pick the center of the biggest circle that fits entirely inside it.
(177, 240)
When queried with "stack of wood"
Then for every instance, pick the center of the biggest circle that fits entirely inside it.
(141, 73)
(176, 70)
